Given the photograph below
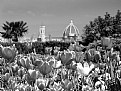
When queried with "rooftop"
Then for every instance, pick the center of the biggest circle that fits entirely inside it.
(71, 30)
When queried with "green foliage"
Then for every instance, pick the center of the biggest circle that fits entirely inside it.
(38, 46)
(103, 27)
(13, 30)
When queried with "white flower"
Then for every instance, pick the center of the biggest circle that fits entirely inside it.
(84, 70)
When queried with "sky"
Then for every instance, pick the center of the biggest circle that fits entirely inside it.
(55, 14)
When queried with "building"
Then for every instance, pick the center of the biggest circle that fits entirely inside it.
(71, 33)
(54, 38)
(43, 37)
(42, 34)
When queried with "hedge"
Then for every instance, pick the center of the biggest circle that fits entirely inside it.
(38, 46)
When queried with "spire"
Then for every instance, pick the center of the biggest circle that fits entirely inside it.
(71, 22)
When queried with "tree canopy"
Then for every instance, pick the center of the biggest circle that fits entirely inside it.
(13, 30)
(103, 27)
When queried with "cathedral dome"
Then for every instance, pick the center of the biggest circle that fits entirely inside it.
(70, 31)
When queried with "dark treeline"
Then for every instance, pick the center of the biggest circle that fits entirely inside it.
(28, 47)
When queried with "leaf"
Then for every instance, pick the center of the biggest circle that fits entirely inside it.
(6, 26)
(23, 24)
(2, 32)
(7, 23)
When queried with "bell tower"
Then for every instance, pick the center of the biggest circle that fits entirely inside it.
(42, 33)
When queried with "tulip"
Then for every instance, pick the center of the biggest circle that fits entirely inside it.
(24, 78)
(6, 76)
(87, 56)
(18, 61)
(72, 66)
(32, 74)
(29, 80)
(106, 42)
(67, 85)
(92, 51)
(84, 70)
(12, 85)
(15, 68)
(97, 57)
(33, 58)
(21, 72)
(8, 53)
(79, 57)
(41, 83)
(21, 88)
(38, 62)
(22, 62)
(78, 48)
(57, 57)
(112, 55)
(71, 47)
(56, 87)
(45, 68)
(50, 60)
(38, 74)
(66, 57)
(27, 88)
(41, 86)
(27, 63)
(57, 64)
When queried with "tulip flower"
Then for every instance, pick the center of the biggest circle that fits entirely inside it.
(41, 86)
(32, 74)
(84, 70)
(31, 77)
(15, 69)
(21, 72)
(97, 56)
(6, 76)
(8, 53)
(71, 47)
(45, 68)
(26, 63)
(106, 42)
(57, 56)
(79, 57)
(57, 64)
(88, 56)
(72, 66)
(66, 57)
(92, 52)
(27, 88)
(41, 83)
(22, 62)
(67, 85)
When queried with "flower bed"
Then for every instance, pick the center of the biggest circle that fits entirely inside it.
(77, 68)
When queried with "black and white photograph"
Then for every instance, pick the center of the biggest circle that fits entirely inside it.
(60, 45)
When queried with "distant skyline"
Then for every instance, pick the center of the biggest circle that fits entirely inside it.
(55, 14)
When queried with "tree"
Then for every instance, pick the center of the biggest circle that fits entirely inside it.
(103, 27)
(14, 30)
